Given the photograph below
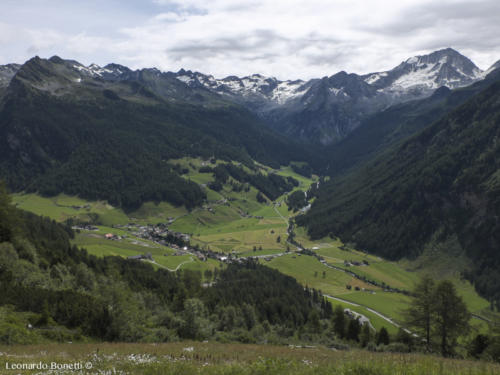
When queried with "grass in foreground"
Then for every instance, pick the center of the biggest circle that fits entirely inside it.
(215, 358)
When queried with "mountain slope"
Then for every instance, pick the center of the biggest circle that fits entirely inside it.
(7, 72)
(384, 129)
(443, 183)
(64, 128)
(326, 110)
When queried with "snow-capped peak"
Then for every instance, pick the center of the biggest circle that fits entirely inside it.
(416, 77)
(255, 86)
(288, 90)
(420, 75)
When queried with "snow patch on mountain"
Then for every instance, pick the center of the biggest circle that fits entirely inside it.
(424, 76)
(186, 79)
(418, 76)
(255, 86)
(287, 90)
(94, 70)
(412, 60)
(338, 92)
(372, 78)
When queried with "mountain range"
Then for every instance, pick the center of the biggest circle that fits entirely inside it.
(320, 110)
(327, 109)
(80, 130)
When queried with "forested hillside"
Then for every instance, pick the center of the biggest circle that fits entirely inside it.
(385, 129)
(112, 140)
(70, 295)
(441, 185)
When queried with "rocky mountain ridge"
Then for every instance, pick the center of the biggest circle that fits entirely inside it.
(328, 109)
(321, 110)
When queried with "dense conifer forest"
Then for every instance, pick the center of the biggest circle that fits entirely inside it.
(439, 185)
(98, 145)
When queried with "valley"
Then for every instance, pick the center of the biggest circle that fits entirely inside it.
(234, 225)
(322, 217)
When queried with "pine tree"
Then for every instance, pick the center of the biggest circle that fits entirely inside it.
(339, 321)
(353, 330)
(383, 336)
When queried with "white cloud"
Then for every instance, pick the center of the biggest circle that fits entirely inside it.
(284, 38)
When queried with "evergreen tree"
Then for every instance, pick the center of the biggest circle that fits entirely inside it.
(313, 321)
(451, 316)
(339, 321)
(405, 338)
(260, 198)
(419, 316)
(366, 335)
(383, 336)
(8, 216)
(478, 345)
(353, 329)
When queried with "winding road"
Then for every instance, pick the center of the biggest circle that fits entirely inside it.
(386, 318)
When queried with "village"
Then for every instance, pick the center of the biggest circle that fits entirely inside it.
(160, 234)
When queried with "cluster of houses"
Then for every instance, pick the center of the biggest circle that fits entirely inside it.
(158, 233)
(247, 215)
(115, 237)
(357, 288)
(225, 258)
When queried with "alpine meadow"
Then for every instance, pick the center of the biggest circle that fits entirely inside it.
(163, 220)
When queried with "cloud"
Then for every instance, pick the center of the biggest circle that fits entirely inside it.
(285, 38)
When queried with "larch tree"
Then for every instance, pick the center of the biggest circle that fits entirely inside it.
(419, 315)
(451, 316)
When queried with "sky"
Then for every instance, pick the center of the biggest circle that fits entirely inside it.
(287, 39)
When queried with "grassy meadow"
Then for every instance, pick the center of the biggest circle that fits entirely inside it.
(186, 358)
